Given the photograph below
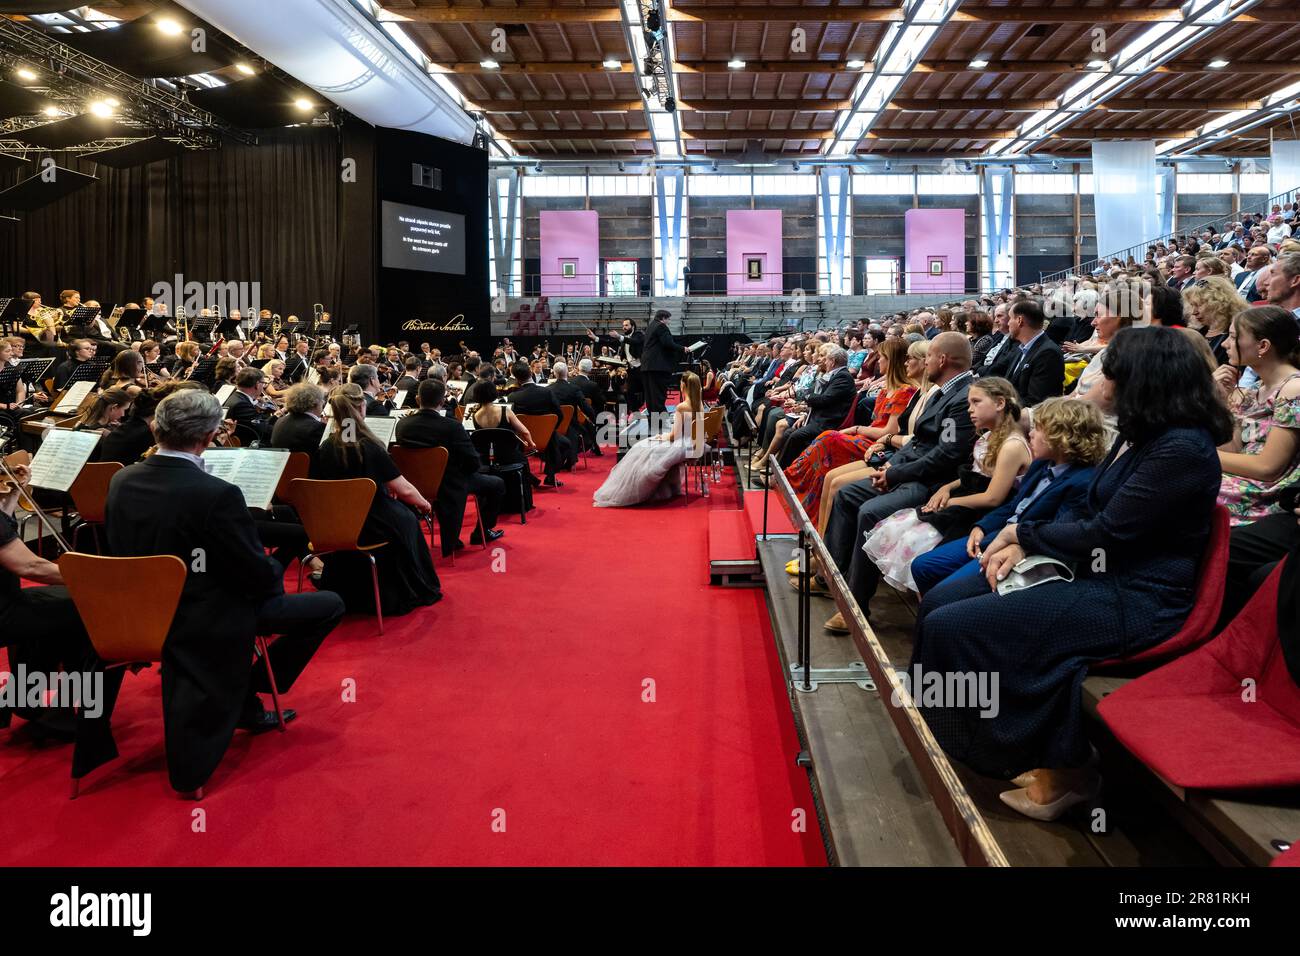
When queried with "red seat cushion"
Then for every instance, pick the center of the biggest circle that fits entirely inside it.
(1198, 724)
(1199, 626)
(1290, 858)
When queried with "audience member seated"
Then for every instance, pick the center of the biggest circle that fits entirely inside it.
(1067, 440)
(407, 579)
(1126, 582)
(431, 427)
(1000, 458)
(168, 504)
(827, 407)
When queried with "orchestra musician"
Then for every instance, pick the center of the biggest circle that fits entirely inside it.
(630, 343)
(105, 412)
(301, 426)
(168, 504)
(530, 398)
(79, 353)
(430, 427)
(379, 401)
(248, 406)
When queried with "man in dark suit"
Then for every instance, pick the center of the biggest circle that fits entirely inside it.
(302, 426)
(246, 406)
(1256, 259)
(168, 504)
(942, 440)
(1181, 272)
(828, 405)
(629, 343)
(569, 393)
(1037, 368)
(660, 358)
(533, 399)
(378, 400)
(431, 428)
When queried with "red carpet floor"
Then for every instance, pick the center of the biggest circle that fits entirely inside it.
(515, 704)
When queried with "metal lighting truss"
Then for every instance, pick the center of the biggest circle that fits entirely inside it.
(902, 48)
(652, 59)
(75, 78)
(1276, 105)
(1155, 46)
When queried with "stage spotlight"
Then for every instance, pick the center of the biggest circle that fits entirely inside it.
(1228, 163)
(670, 104)
(537, 168)
(304, 104)
(52, 111)
(489, 64)
(245, 69)
(101, 109)
(888, 166)
(170, 27)
(25, 74)
(652, 21)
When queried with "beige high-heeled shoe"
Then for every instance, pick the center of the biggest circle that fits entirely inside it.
(1020, 801)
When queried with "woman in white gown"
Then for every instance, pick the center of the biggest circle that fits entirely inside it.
(651, 469)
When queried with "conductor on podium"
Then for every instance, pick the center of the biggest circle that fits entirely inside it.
(661, 357)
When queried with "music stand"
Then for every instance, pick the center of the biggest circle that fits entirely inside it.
(89, 371)
(155, 322)
(9, 380)
(130, 318)
(201, 327)
(264, 327)
(295, 368)
(10, 318)
(205, 370)
(34, 369)
(230, 328)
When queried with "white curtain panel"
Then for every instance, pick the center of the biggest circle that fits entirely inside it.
(1285, 166)
(1124, 191)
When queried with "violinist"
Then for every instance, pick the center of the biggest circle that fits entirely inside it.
(225, 372)
(127, 372)
(105, 413)
(79, 353)
(151, 352)
(129, 442)
(249, 407)
(276, 385)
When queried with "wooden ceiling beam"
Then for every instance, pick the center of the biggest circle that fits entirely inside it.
(496, 15)
(538, 68)
(989, 134)
(1116, 105)
(544, 106)
(542, 135)
(727, 134)
(705, 105)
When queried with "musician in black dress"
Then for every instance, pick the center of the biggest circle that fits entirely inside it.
(407, 579)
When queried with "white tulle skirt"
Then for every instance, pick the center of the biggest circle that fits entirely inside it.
(895, 542)
(650, 471)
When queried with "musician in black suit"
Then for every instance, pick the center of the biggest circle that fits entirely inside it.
(568, 393)
(660, 358)
(301, 426)
(431, 428)
(594, 394)
(630, 343)
(1037, 367)
(379, 402)
(247, 406)
(942, 440)
(168, 504)
(533, 399)
(828, 405)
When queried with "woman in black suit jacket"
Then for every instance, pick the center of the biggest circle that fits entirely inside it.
(1135, 551)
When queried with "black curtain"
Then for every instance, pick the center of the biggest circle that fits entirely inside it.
(294, 213)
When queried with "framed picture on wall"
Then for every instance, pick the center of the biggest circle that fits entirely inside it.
(753, 268)
(936, 267)
(569, 268)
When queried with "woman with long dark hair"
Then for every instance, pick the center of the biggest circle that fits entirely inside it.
(1124, 580)
(407, 579)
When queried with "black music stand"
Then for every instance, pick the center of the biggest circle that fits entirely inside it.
(295, 368)
(201, 327)
(130, 319)
(155, 325)
(33, 370)
(264, 327)
(205, 370)
(89, 371)
(9, 382)
(230, 329)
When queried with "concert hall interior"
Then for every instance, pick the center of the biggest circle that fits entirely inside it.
(650, 433)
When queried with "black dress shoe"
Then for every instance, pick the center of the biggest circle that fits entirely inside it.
(552, 482)
(266, 720)
(492, 535)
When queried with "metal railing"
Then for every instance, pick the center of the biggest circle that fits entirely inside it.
(576, 285)
(1138, 251)
(970, 832)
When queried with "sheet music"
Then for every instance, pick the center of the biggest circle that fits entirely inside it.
(224, 392)
(384, 429)
(61, 457)
(255, 471)
(399, 399)
(73, 398)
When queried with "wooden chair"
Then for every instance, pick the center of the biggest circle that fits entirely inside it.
(298, 466)
(101, 587)
(89, 495)
(425, 468)
(542, 428)
(333, 514)
(459, 412)
(713, 420)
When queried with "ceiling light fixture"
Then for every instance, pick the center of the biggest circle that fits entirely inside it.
(735, 63)
(978, 63)
(611, 63)
(1216, 64)
(245, 69)
(170, 27)
(1095, 65)
(856, 64)
(304, 104)
(489, 64)
(25, 74)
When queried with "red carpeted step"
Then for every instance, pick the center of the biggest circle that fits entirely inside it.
(777, 521)
(730, 537)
